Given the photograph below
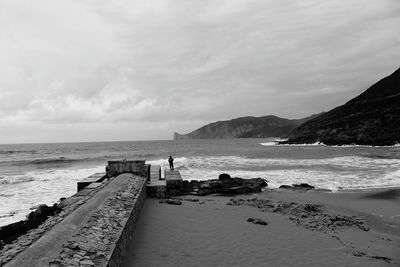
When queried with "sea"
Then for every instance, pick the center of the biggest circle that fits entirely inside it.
(34, 174)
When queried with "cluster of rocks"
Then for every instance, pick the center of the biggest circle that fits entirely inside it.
(225, 185)
(51, 217)
(310, 216)
(94, 243)
(171, 201)
(11, 232)
(298, 187)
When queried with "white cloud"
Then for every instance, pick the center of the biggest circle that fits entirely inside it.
(166, 65)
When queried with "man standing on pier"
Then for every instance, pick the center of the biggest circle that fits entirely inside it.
(171, 163)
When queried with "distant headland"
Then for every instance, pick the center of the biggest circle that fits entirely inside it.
(372, 118)
(246, 127)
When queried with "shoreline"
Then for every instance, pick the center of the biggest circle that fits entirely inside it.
(361, 224)
(275, 189)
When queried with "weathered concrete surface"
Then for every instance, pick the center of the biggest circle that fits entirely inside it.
(172, 177)
(155, 172)
(120, 166)
(98, 225)
(95, 178)
(156, 187)
(23, 242)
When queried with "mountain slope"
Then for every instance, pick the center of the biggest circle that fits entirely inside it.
(372, 118)
(245, 127)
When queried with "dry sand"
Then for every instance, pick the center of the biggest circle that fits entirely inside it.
(211, 233)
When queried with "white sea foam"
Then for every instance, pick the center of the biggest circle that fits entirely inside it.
(322, 144)
(277, 144)
(348, 172)
(268, 144)
(18, 194)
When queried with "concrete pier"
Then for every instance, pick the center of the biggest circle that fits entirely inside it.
(94, 226)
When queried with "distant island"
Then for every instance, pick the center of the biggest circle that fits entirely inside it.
(246, 127)
(372, 118)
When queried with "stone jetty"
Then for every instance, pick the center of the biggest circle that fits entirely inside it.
(94, 225)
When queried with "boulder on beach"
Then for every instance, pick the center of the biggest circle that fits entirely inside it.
(257, 221)
(302, 186)
(9, 233)
(225, 185)
(171, 201)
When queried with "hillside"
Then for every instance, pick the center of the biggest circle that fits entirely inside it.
(372, 118)
(246, 127)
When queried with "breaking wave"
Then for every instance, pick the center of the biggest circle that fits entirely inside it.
(347, 172)
(322, 144)
(18, 193)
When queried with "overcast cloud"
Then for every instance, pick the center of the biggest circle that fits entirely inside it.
(129, 70)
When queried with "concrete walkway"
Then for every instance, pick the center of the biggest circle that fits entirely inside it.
(49, 246)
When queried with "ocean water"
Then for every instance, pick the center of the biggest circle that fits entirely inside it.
(33, 174)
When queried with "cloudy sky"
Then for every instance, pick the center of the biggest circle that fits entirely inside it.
(80, 70)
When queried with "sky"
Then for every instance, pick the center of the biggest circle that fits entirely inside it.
(91, 70)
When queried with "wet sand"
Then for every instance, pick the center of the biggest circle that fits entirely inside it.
(212, 233)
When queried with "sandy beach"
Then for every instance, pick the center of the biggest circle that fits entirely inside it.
(359, 228)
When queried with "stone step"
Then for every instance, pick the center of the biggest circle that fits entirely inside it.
(155, 172)
(156, 188)
(173, 178)
(94, 178)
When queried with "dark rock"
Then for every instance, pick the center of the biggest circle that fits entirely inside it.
(302, 186)
(234, 186)
(12, 231)
(205, 191)
(171, 201)
(312, 208)
(358, 254)
(257, 221)
(372, 118)
(191, 199)
(310, 216)
(224, 176)
(364, 227)
(262, 182)
(225, 185)
(388, 260)
(194, 183)
(284, 186)
(43, 211)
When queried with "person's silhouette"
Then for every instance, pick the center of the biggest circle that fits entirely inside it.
(171, 163)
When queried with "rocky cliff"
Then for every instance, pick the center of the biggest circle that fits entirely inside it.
(372, 118)
(246, 127)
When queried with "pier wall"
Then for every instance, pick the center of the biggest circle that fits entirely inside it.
(93, 229)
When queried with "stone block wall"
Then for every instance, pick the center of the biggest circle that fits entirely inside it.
(120, 166)
(95, 231)
(126, 233)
